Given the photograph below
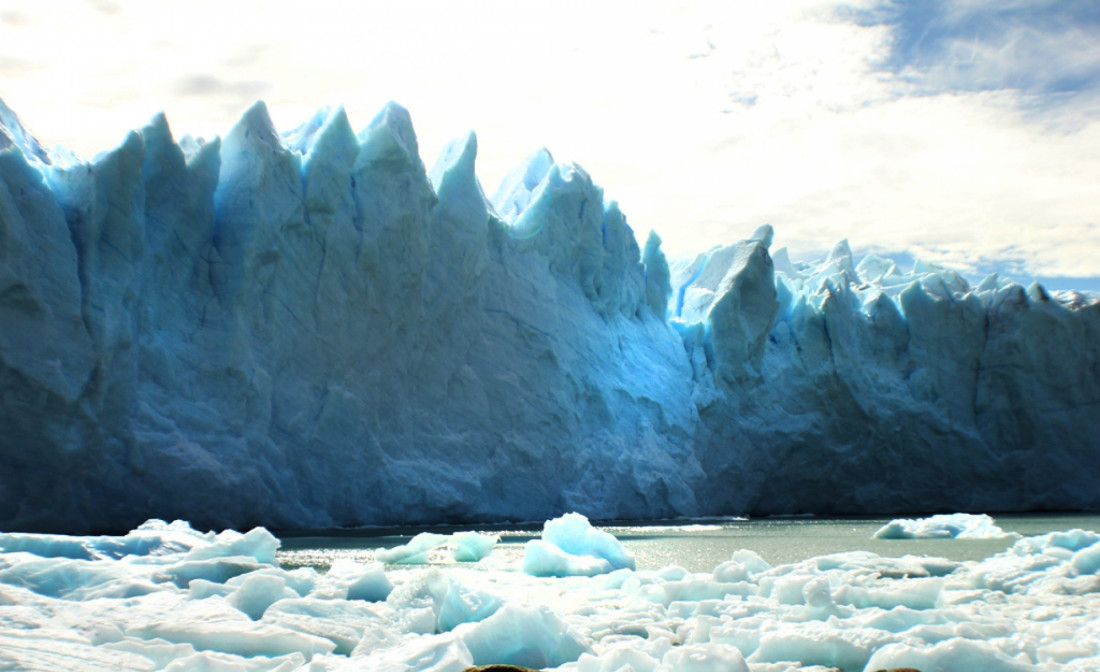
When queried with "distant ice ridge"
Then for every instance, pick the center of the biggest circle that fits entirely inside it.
(184, 600)
(311, 329)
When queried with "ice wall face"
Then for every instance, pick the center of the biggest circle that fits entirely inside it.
(306, 331)
(311, 329)
(837, 388)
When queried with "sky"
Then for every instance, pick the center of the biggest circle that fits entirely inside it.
(962, 132)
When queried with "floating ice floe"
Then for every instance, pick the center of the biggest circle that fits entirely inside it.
(473, 546)
(570, 546)
(944, 526)
(465, 547)
(413, 553)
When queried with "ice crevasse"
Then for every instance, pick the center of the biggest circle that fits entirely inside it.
(311, 329)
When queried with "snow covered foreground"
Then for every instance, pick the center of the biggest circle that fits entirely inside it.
(165, 597)
(311, 329)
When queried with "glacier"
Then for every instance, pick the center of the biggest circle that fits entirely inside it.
(311, 329)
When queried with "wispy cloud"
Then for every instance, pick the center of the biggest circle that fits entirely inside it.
(867, 122)
(1037, 47)
(1045, 53)
(208, 85)
(16, 67)
(105, 7)
(12, 18)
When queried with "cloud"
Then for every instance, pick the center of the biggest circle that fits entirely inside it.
(105, 7)
(16, 67)
(244, 56)
(1046, 48)
(13, 18)
(208, 85)
(836, 145)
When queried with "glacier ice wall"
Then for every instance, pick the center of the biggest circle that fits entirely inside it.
(844, 388)
(310, 329)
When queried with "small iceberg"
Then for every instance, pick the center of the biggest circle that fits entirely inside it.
(944, 526)
(570, 546)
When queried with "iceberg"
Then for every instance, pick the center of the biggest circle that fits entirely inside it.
(414, 553)
(465, 547)
(473, 546)
(311, 329)
(570, 546)
(943, 526)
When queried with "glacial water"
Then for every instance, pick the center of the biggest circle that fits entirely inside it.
(697, 545)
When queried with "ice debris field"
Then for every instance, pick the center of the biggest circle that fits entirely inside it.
(165, 597)
(310, 329)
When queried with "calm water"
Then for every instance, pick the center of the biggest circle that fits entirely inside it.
(700, 545)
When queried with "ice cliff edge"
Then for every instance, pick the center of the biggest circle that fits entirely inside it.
(310, 329)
